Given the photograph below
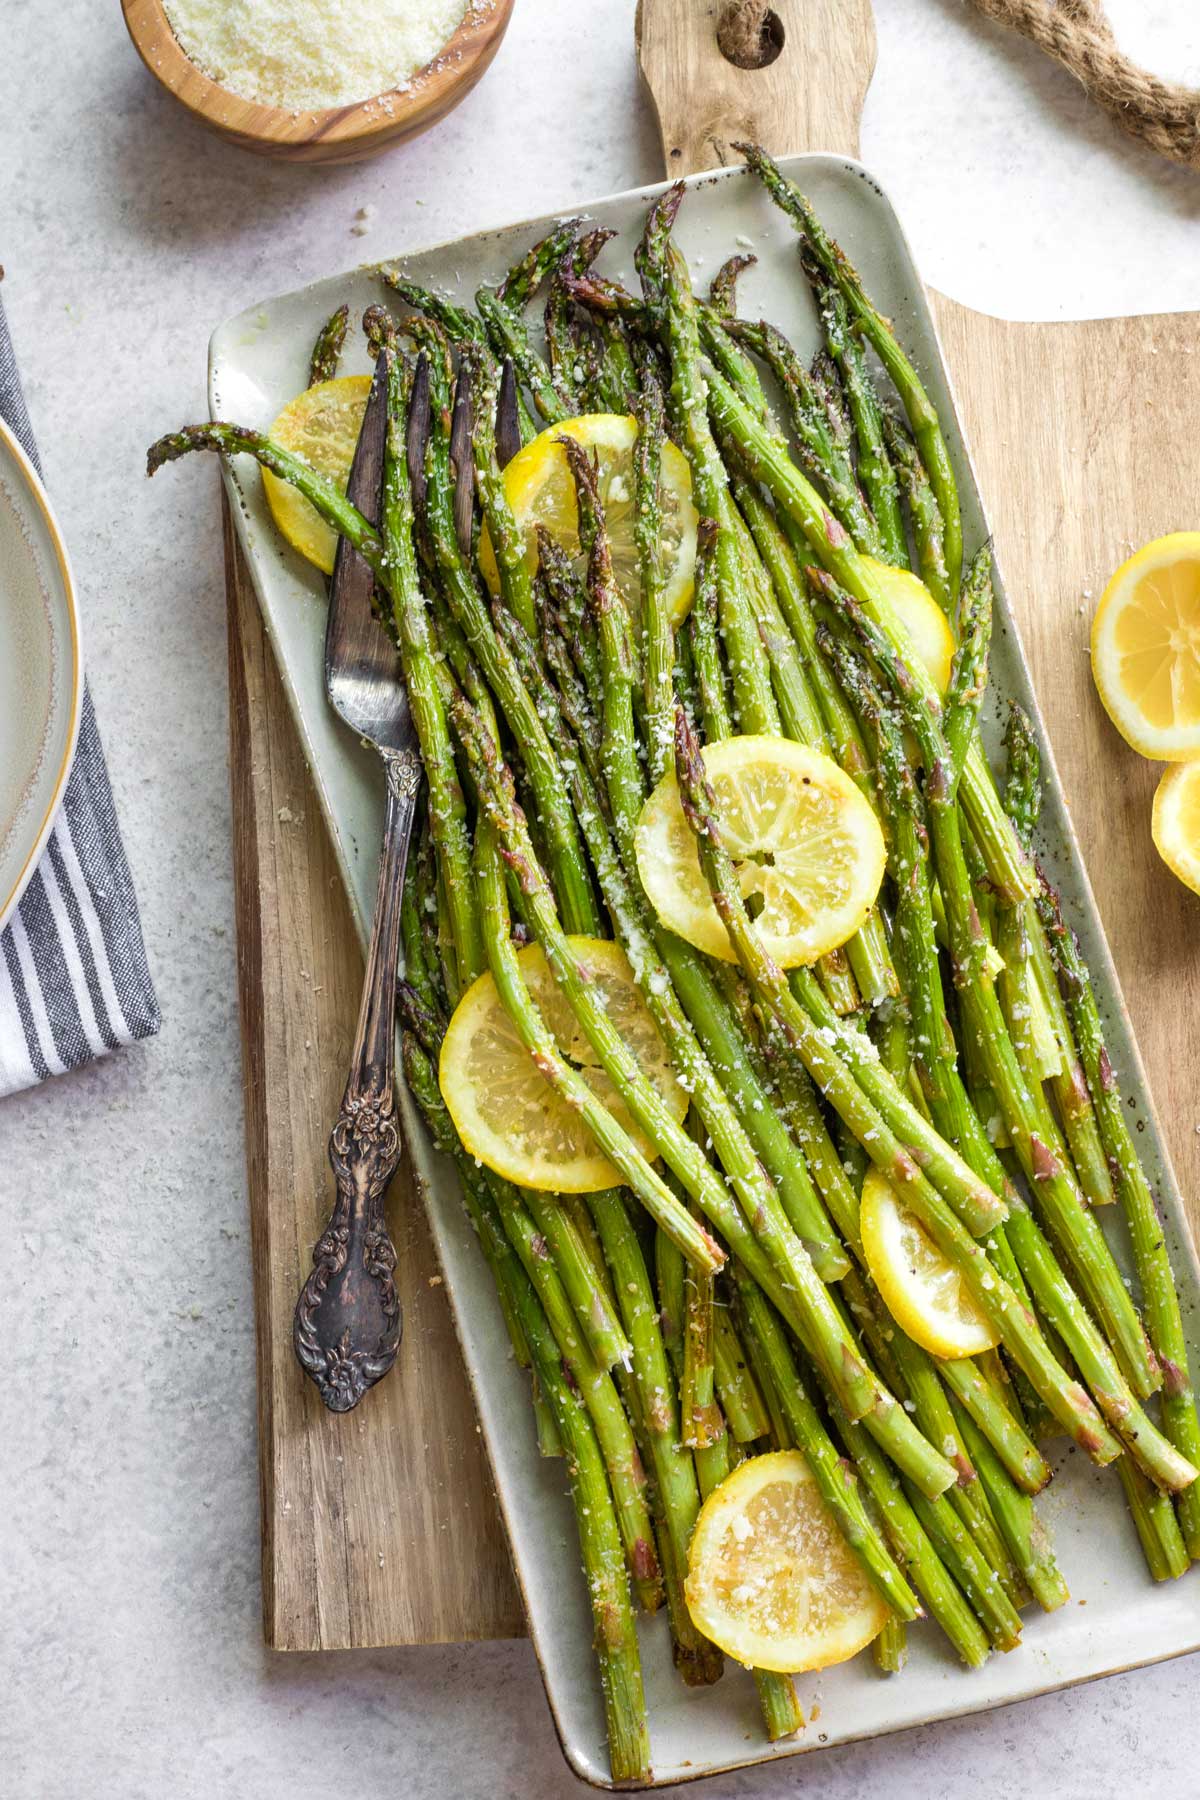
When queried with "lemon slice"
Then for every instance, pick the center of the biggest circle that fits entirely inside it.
(926, 1296)
(541, 492)
(1175, 822)
(507, 1113)
(806, 846)
(1146, 648)
(771, 1580)
(923, 619)
(321, 425)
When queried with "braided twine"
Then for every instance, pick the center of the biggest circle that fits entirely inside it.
(1162, 114)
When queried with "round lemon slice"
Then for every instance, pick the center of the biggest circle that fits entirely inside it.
(321, 425)
(806, 846)
(1146, 648)
(507, 1113)
(923, 619)
(1175, 822)
(541, 492)
(771, 1580)
(926, 1296)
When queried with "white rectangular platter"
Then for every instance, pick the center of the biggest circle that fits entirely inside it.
(1117, 1618)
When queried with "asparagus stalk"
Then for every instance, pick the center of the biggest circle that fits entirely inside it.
(658, 659)
(996, 1298)
(331, 338)
(1025, 1113)
(911, 1542)
(830, 545)
(1159, 1292)
(706, 653)
(924, 513)
(607, 1582)
(577, 1272)
(874, 464)
(722, 291)
(568, 868)
(890, 1649)
(822, 456)
(782, 1264)
(625, 793)
(669, 294)
(701, 1421)
(733, 1102)
(526, 276)
(509, 339)
(803, 719)
(697, 1244)
(953, 1543)
(922, 414)
(508, 546)
(1024, 1534)
(1069, 1085)
(460, 324)
(914, 1375)
(673, 1471)
(834, 1479)
(448, 817)
(741, 1400)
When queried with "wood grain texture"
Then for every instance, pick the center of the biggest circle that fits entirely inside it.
(1086, 437)
(335, 134)
(810, 98)
(379, 1526)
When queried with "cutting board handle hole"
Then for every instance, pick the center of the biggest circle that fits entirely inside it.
(750, 35)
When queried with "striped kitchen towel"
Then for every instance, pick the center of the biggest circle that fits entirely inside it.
(74, 982)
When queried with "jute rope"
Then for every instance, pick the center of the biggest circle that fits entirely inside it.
(1076, 33)
(742, 32)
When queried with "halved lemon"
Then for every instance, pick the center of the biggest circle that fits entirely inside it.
(507, 1113)
(771, 1579)
(541, 492)
(925, 1294)
(806, 846)
(321, 425)
(1146, 648)
(1175, 822)
(923, 619)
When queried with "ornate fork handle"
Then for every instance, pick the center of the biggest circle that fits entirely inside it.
(347, 1323)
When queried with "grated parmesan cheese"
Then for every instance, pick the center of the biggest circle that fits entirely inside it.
(308, 54)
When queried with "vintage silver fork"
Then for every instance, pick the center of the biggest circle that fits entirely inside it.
(347, 1323)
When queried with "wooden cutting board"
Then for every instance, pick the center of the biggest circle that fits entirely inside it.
(380, 1528)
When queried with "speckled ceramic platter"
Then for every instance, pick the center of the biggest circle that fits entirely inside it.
(1116, 1618)
(41, 675)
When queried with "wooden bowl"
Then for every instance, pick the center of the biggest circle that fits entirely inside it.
(338, 133)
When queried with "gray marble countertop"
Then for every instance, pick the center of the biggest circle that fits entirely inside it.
(131, 1656)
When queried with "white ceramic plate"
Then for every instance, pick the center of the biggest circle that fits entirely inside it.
(41, 675)
(1116, 1618)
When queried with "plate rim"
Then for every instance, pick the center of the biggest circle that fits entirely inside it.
(41, 499)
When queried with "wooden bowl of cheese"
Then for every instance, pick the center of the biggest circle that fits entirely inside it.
(277, 51)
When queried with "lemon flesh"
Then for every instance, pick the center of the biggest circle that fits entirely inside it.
(506, 1112)
(771, 1580)
(1146, 648)
(1175, 823)
(926, 625)
(807, 849)
(924, 1293)
(540, 491)
(321, 425)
